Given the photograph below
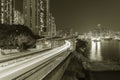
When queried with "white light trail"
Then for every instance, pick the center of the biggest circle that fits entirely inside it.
(16, 69)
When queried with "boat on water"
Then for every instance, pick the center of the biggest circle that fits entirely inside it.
(98, 39)
(108, 38)
(117, 38)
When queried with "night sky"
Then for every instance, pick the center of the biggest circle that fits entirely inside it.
(19, 5)
(83, 15)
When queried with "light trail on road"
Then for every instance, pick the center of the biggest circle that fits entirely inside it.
(16, 69)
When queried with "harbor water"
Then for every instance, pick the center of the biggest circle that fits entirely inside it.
(105, 51)
(105, 60)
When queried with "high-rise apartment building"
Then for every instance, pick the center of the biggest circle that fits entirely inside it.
(36, 15)
(52, 28)
(7, 11)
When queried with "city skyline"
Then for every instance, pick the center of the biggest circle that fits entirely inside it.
(82, 15)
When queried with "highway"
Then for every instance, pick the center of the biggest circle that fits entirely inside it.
(16, 69)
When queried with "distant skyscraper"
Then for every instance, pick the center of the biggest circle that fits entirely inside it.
(7, 11)
(36, 15)
(52, 28)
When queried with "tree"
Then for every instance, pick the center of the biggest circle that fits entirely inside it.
(16, 36)
(18, 18)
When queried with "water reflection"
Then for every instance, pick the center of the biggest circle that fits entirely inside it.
(95, 54)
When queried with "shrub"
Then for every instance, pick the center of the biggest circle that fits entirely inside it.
(16, 36)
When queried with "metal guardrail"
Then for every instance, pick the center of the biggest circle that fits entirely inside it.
(44, 69)
(21, 54)
(41, 45)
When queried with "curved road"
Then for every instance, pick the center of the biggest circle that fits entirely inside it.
(13, 70)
